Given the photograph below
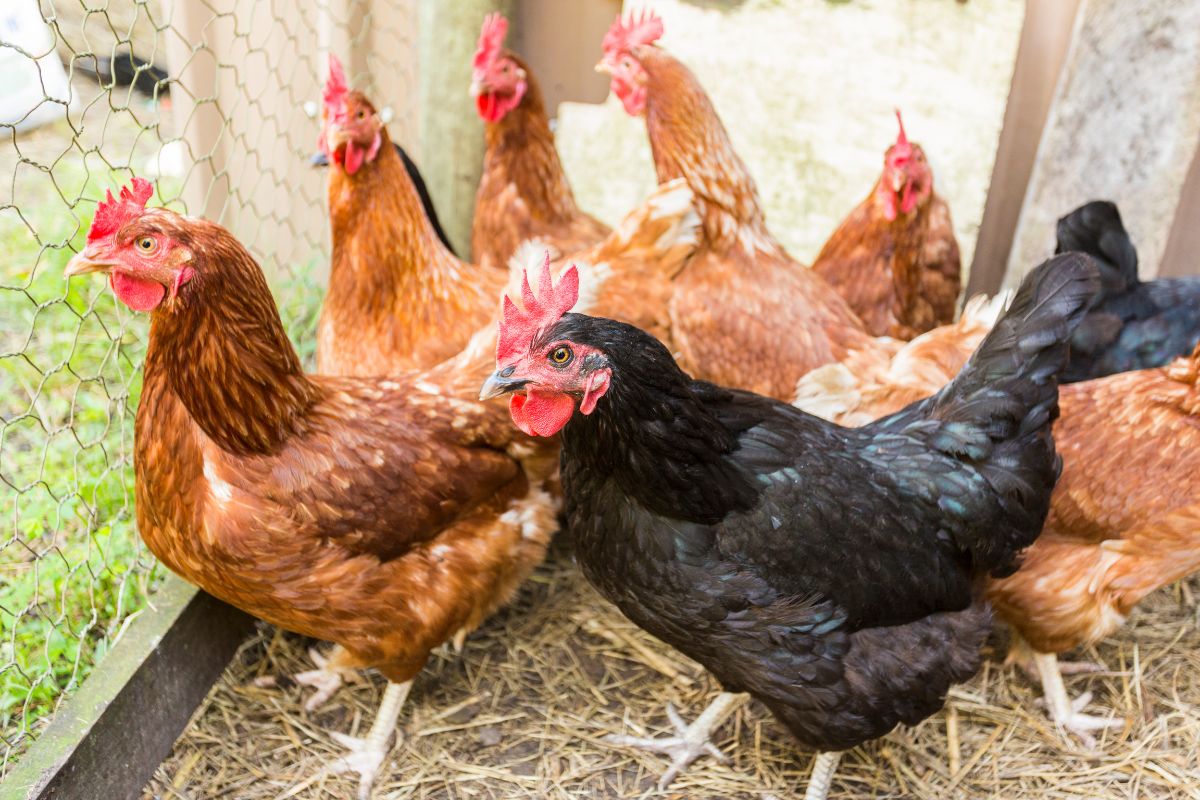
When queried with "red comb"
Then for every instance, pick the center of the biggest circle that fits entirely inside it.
(491, 39)
(638, 29)
(902, 139)
(335, 86)
(112, 212)
(519, 327)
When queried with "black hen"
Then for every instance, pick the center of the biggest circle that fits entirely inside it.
(830, 572)
(1131, 325)
(319, 159)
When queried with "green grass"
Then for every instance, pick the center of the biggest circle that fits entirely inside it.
(72, 568)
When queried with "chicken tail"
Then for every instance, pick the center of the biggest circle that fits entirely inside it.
(1095, 228)
(995, 416)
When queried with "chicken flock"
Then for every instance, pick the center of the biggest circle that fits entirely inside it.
(814, 481)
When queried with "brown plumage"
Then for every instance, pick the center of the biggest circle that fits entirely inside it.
(397, 299)
(743, 312)
(523, 192)
(902, 276)
(899, 270)
(385, 515)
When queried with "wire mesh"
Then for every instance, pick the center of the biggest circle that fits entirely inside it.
(215, 106)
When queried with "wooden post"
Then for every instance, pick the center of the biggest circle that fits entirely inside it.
(193, 61)
(1045, 39)
(1124, 126)
(451, 134)
(560, 40)
(1182, 254)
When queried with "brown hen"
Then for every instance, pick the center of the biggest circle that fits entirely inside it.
(397, 299)
(894, 258)
(523, 193)
(385, 515)
(743, 312)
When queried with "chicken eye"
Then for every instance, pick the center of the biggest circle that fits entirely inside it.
(362, 113)
(561, 355)
(147, 244)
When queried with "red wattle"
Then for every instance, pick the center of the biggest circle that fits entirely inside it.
(138, 294)
(541, 413)
(354, 157)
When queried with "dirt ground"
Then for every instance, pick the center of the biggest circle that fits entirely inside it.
(522, 713)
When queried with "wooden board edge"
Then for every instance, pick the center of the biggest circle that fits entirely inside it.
(107, 739)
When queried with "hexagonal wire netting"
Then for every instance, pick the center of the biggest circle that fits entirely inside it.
(212, 101)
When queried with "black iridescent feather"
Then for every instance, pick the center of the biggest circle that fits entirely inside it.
(831, 572)
(1132, 324)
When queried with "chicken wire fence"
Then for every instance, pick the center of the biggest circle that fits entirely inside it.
(214, 102)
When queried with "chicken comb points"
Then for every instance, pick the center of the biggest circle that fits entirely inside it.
(491, 39)
(112, 212)
(335, 85)
(902, 139)
(519, 326)
(638, 29)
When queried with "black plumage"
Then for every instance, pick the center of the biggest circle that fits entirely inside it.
(319, 159)
(124, 68)
(830, 572)
(1132, 324)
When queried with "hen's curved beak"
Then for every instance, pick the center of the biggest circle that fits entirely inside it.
(88, 260)
(501, 382)
(603, 67)
(477, 87)
(898, 180)
(336, 136)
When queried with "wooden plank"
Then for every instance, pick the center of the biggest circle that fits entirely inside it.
(108, 738)
(1045, 40)
(1124, 126)
(1182, 254)
(451, 134)
(560, 40)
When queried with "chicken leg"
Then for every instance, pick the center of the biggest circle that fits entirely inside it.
(824, 766)
(1064, 710)
(690, 741)
(367, 754)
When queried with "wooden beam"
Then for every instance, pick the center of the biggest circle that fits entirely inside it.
(1182, 253)
(1123, 127)
(107, 738)
(451, 134)
(1045, 40)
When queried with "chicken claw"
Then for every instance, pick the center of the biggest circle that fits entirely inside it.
(327, 678)
(691, 741)
(367, 754)
(1066, 712)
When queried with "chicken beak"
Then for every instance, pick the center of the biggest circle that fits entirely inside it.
(336, 136)
(603, 68)
(476, 87)
(898, 179)
(501, 382)
(88, 261)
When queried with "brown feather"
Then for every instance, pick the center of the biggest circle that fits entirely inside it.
(523, 192)
(743, 312)
(398, 299)
(381, 514)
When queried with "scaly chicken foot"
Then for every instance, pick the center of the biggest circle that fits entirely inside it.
(691, 741)
(367, 754)
(824, 767)
(1066, 712)
(1022, 655)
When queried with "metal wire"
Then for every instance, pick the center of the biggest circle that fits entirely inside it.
(224, 131)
